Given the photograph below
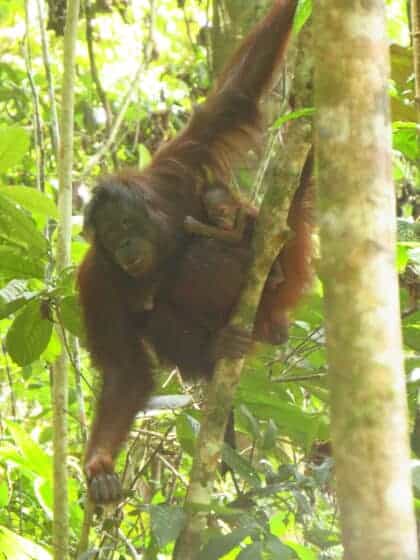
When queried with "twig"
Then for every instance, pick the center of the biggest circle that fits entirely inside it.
(55, 133)
(298, 378)
(83, 543)
(39, 138)
(94, 69)
(94, 160)
(172, 469)
(9, 379)
(129, 545)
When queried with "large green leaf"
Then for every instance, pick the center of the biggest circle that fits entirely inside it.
(303, 12)
(217, 547)
(36, 458)
(277, 550)
(166, 522)
(9, 9)
(15, 547)
(253, 551)
(13, 296)
(187, 429)
(71, 316)
(14, 144)
(240, 466)
(405, 139)
(4, 494)
(31, 199)
(18, 263)
(17, 227)
(28, 335)
(267, 400)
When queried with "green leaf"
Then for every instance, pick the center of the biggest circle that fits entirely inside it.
(13, 296)
(303, 13)
(270, 436)
(253, 551)
(28, 335)
(14, 144)
(145, 156)
(411, 330)
(71, 316)
(408, 230)
(4, 494)
(15, 547)
(249, 421)
(405, 139)
(17, 263)
(9, 9)
(303, 553)
(17, 227)
(44, 494)
(240, 466)
(187, 429)
(31, 199)
(277, 550)
(402, 257)
(306, 112)
(36, 458)
(416, 478)
(219, 546)
(166, 523)
(267, 400)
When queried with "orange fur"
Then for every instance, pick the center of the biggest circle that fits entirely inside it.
(194, 283)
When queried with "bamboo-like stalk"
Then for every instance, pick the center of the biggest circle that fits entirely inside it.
(60, 379)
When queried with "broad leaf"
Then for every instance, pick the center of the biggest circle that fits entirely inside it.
(219, 546)
(71, 316)
(14, 144)
(13, 296)
(15, 547)
(28, 335)
(17, 227)
(19, 263)
(31, 199)
(167, 523)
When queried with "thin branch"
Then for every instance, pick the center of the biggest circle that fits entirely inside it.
(93, 68)
(9, 379)
(172, 469)
(54, 127)
(38, 133)
(63, 257)
(128, 544)
(298, 378)
(106, 146)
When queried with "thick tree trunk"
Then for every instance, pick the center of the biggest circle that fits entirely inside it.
(357, 228)
(415, 18)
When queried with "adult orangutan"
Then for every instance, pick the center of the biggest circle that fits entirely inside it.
(145, 278)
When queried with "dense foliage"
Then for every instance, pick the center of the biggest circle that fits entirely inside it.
(280, 502)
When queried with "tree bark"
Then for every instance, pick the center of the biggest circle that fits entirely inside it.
(60, 380)
(358, 236)
(415, 18)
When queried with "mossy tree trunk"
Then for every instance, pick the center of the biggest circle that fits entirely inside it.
(357, 229)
